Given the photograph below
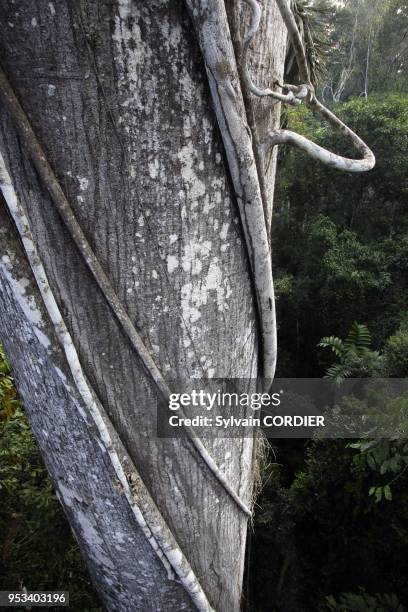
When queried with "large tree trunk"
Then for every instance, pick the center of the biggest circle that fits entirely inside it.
(117, 94)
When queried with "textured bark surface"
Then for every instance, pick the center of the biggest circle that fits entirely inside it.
(123, 566)
(266, 63)
(117, 95)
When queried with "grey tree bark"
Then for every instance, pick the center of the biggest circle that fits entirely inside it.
(117, 94)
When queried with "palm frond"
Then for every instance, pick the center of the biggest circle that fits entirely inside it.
(338, 372)
(311, 18)
(333, 343)
(358, 339)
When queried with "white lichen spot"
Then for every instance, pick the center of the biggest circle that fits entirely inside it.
(51, 90)
(34, 22)
(194, 253)
(154, 274)
(207, 207)
(173, 238)
(172, 263)
(130, 50)
(153, 168)
(83, 183)
(190, 312)
(187, 157)
(52, 8)
(224, 231)
(26, 301)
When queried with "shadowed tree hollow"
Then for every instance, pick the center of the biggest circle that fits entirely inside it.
(137, 172)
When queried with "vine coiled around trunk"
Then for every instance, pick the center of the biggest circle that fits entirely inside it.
(50, 181)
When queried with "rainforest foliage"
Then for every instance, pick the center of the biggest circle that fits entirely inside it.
(331, 532)
(331, 528)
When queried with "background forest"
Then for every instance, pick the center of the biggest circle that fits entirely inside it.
(331, 530)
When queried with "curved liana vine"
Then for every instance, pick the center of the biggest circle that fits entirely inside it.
(288, 98)
(38, 157)
(145, 511)
(211, 24)
(296, 94)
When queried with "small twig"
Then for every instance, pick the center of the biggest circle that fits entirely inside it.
(398, 476)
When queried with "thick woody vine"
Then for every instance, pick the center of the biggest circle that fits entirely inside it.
(296, 94)
(211, 25)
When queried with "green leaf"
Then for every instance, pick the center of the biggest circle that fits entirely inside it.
(387, 493)
(333, 343)
(378, 494)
